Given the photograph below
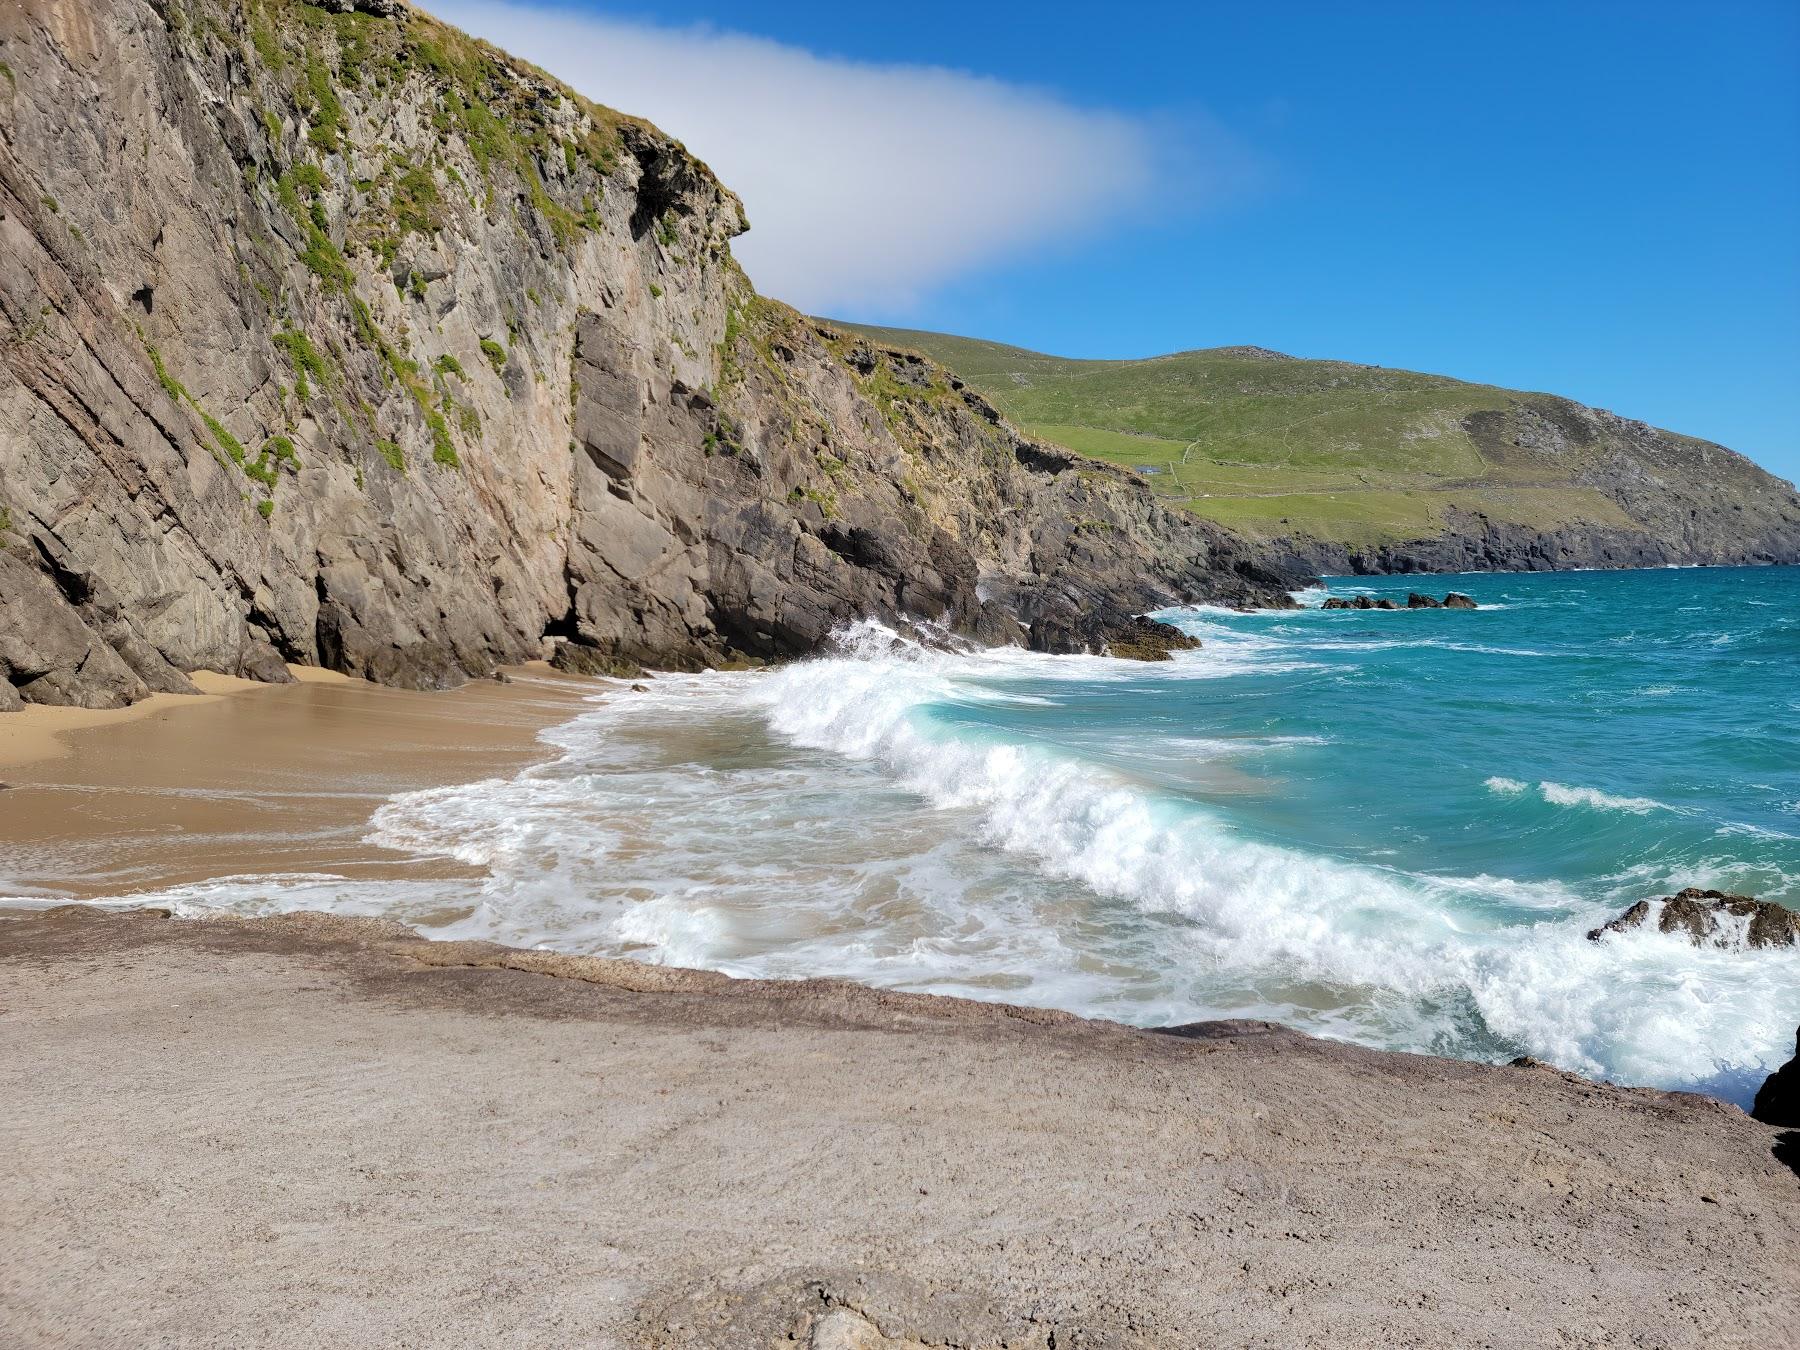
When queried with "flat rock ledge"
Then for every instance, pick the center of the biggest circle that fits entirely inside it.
(313, 1130)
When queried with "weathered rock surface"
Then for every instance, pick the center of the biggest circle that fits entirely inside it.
(329, 335)
(1149, 639)
(1712, 918)
(1778, 1099)
(1700, 504)
(474, 1145)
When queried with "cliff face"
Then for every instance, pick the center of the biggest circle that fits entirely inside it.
(1679, 502)
(1348, 468)
(339, 337)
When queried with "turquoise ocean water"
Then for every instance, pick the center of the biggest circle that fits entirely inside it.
(1391, 827)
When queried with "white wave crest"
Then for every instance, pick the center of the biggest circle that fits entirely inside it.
(1560, 794)
(1557, 794)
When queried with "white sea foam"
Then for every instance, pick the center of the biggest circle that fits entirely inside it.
(1748, 831)
(1224, 747)
(1251, 907)
(1560, 794)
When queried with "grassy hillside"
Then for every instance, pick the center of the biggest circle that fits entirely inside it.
(1280, 447)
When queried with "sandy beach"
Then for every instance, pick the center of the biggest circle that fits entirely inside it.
(250, 777)
(309, 1131)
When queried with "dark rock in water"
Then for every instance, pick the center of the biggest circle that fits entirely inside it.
(1149, 640)
(640, 688)
(1778, 1099)
(501, 677)
(1455, 600)
(1698, 914)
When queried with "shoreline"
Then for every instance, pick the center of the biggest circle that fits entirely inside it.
(250, 778)
(311, 1129)
(37, 731)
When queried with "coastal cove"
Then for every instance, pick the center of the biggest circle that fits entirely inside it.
(1388, 827)
(563, 781)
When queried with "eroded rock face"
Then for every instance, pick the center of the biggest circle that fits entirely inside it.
(1712, 918)
(328, 335)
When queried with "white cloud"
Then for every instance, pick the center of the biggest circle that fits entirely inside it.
(866, 185)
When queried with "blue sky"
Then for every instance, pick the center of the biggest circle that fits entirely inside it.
(1597, 199)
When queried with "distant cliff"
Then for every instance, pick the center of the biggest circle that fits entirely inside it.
(328, 334)
(1348, 468)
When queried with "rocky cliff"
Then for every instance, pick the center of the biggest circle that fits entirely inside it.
(1340, 468)
(328, 334)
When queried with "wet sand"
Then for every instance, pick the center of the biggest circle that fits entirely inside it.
(250, 778)
(310, 1131)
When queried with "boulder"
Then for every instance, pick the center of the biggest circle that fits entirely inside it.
(1417, 601)
(1778, 1099)
(1457, 600)
(1712, 918)
(381, 9)
(1146, 639)
(1337, 602)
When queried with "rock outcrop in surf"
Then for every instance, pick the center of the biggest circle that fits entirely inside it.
(1711, 918)
(1454, 600)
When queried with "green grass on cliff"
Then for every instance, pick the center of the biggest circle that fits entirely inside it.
(1280, 447)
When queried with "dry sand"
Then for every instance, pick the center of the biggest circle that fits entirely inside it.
(249, 778)
(325, 1132)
